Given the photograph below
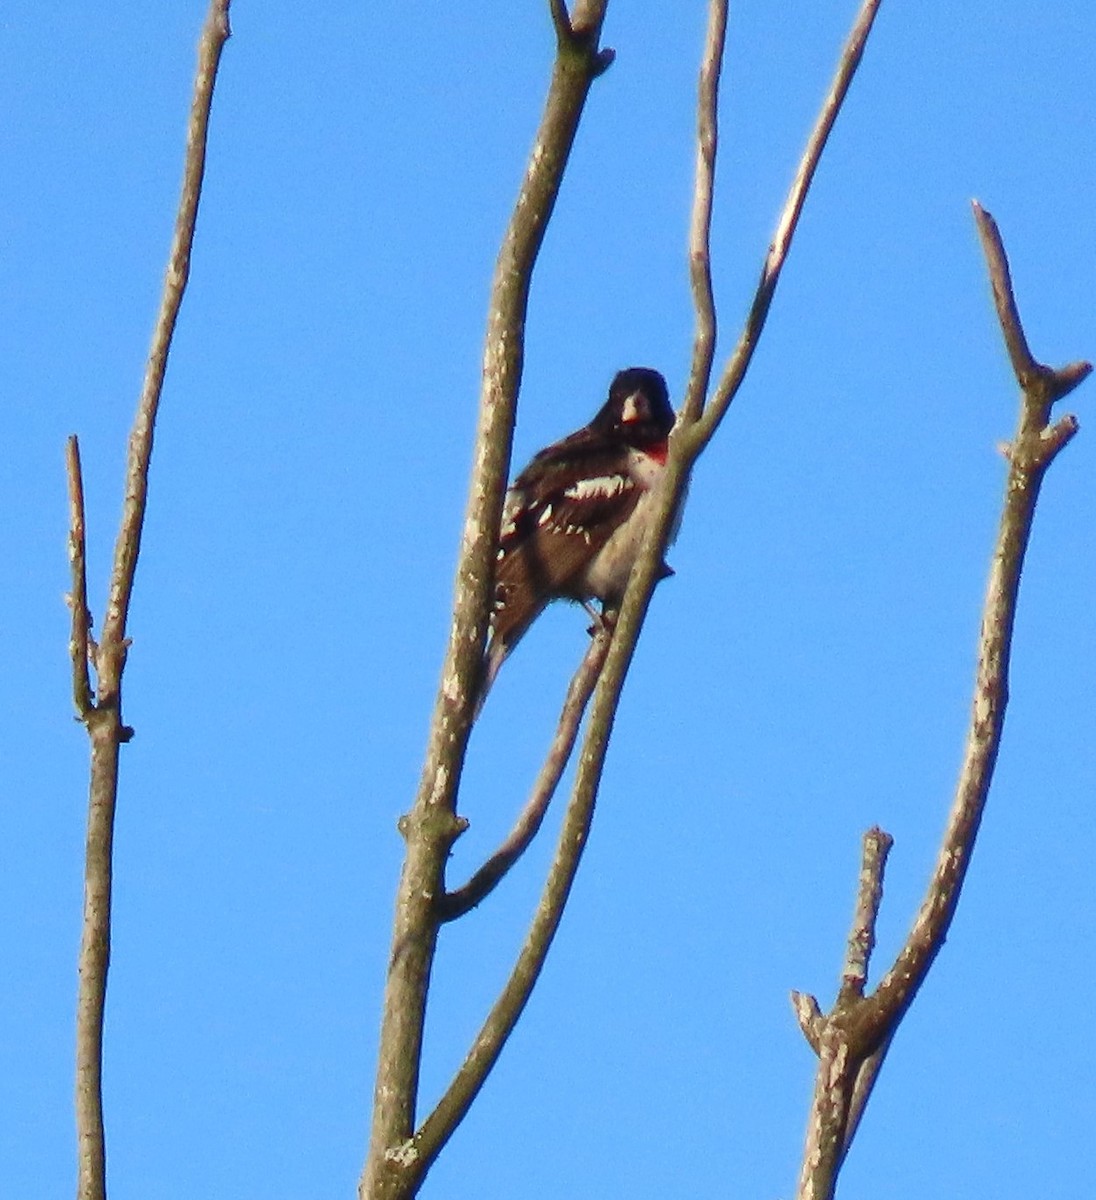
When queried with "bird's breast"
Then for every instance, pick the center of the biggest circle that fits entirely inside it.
(606, 576)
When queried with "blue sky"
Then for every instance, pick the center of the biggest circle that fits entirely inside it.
(805, 675)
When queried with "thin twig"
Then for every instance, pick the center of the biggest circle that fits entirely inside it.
(104, 718)
(876, 847)
(215, 33)
(700, 226)
(739, 362)
(562, 22)
(80, 641)
(844, 1080)
(453, 1105)
(1030, 374)
(462, 900)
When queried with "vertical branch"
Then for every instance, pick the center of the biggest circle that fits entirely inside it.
(739, 362)
(431, 826)
(103, 718)
(700, 225)
(215, 33)
(80, 641)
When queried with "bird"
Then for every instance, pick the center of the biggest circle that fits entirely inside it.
(573, 520)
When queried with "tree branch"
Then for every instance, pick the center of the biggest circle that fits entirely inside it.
(104, 717)
(1040, 383)
(398, 1159)
(579, 814)
(877, 845)
(700, 225)
(1031, 452)
(462, 900)
(844, 1080)
(431, 826)
(735, 371)
(862, 1027)
(80, 643)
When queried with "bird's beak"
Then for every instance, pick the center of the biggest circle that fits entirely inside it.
(635, 408)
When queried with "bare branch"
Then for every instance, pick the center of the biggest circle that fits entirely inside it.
(700, 226)
(829, 1115)
(689, 439)
(398, 1158)
(215, 33)
(739, 362)
(562, 21)
(1030, 454)
(856, 1035)
(500, 1022)
(1033, 377)
(104, 718)
(431, 827)
(845, 1074)
(456, 903)
(877, 845)
(80, 641)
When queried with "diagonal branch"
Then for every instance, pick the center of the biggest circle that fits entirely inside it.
(462, 900)
(1031, 452)
(104, 718)
(691, 436)
(863, 1026)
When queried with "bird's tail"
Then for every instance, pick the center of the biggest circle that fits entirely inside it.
(498, 650)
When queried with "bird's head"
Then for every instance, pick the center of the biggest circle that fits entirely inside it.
(638, 409)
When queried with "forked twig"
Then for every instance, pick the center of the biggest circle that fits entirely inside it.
(738, 364)
(103, 717)
(854, 1037)
(456, 903)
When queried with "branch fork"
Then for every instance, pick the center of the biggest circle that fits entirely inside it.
(852, 1040)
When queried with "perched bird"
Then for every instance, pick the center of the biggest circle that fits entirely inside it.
(574, 519)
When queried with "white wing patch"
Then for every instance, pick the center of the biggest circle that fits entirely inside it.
(511, 509)
(601, 487)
